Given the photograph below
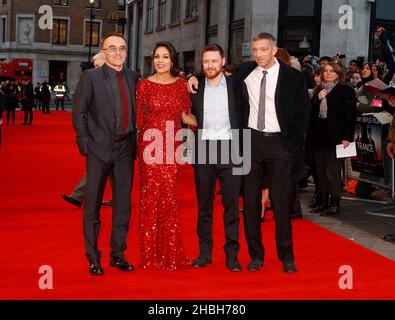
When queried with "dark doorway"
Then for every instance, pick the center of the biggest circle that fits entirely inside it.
(300, 27)
(382, 15)
(57, 72)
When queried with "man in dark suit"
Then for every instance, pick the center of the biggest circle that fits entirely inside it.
(276, 107)
(104, 119)
(216, 117)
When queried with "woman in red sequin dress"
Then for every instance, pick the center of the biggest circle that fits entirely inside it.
(162, 99)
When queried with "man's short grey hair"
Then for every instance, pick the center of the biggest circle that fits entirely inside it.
(264, 36)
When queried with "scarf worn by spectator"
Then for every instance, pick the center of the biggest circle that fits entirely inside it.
(328, 86)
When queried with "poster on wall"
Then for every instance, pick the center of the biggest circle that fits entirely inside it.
(370, 137)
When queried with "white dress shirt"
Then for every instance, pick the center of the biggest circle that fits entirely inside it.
(216, 121)
(253, 82)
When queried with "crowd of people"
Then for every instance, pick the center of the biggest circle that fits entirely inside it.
(297, 112)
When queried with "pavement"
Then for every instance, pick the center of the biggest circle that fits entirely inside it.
(359, 221)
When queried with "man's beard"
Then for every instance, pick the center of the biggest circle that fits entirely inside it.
(212, 75)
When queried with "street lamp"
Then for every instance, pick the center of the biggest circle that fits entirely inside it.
(91, 4)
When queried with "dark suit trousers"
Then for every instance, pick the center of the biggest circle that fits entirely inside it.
(269, 156)
(28, 118)
(120, 166)
(329, 176)
(206, 176)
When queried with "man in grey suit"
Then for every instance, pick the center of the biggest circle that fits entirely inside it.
(104, 120)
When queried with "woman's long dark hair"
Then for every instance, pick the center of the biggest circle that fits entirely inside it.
(175, 69)
(371, 77)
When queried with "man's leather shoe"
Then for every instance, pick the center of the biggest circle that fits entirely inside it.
(255, 265)
(390, 237)
(107, 203)
(201, 262)
(121, 264)
(72, 200)
(95, 268)
(233, 265)
(289, 267)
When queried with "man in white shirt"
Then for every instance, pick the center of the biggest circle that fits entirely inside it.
(276, 107)
(216, 116)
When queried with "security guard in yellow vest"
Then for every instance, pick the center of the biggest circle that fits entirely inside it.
(60, 91)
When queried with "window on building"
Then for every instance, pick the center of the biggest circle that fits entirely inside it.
(59, 31)
(385, 10)
(212, 22)
(121, 27)
(121, 5)
(96, 4)
(191, 8)
(175, 11)
(162, 13)
(189, 62)
(299, 27)
(300, 8)
(236, 31)
(382, 15)
(4, 2)
(2, 29)
(61, 2)
(95, 33)
(150, 15)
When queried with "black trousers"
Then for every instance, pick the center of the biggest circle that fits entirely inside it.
(45, 107)
(329, 177)
(61, 101)
(28, 115)
(268, 155)
(120, 166)
(206, 176)
(11, 112)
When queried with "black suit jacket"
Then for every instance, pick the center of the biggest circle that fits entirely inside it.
(94, 111)
(291, 98)
(340, 122)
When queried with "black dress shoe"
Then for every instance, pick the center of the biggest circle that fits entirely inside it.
(334, 207)
(107, 203)
(233, 265)
(255, 265)
(317, 198)
(289, 267)
(72, 200)
(121, 264)
(201, 262)
(389, 237)
(95, 268)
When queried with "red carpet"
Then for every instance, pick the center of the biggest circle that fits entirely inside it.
(38, 228)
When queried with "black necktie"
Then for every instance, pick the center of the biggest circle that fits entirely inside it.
(262, 103)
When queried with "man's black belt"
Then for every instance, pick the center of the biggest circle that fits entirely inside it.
(267, 134)
(122, 138)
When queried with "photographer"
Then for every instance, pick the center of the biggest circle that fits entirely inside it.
(388, 54)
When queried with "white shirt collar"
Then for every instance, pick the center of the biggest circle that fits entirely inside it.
(273, 69)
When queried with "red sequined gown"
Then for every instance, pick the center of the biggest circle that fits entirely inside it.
(159, 221)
